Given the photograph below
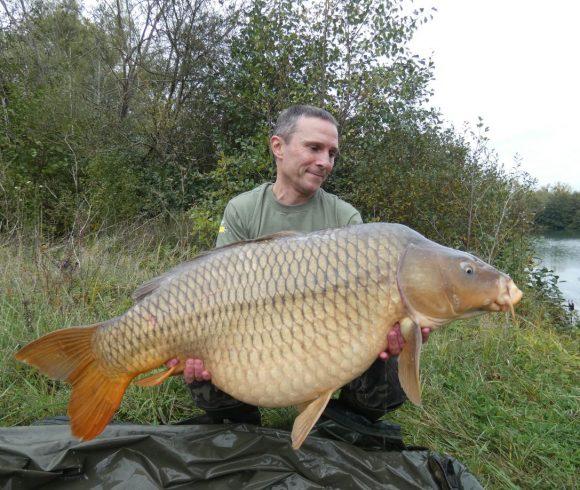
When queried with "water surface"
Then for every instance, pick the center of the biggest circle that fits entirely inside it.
(561, 253)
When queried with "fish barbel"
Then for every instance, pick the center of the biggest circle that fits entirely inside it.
(308, 313)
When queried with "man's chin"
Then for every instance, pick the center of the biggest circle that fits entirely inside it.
(310, 189)
(314, 182)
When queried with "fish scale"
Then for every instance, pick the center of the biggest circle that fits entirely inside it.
(279, 321)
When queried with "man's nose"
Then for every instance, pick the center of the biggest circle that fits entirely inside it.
(325, 161)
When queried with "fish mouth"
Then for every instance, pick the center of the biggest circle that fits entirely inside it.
(509, 296)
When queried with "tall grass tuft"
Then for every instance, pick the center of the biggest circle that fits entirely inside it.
(500, 396)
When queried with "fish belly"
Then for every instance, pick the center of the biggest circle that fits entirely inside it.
(290, 363)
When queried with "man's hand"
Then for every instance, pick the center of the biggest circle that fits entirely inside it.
(194, 370)
(395, 341)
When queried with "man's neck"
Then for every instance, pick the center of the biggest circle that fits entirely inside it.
(288, 196)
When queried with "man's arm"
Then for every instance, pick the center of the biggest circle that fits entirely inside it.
(231, 227)
(355, 219)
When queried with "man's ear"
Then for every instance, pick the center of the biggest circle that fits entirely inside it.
(277, 146)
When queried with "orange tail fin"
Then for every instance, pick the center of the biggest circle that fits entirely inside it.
(67, 355)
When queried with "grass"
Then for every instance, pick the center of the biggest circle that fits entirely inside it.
(503, 400)
(500, 397)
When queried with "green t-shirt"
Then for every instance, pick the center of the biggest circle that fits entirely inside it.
(257, 213)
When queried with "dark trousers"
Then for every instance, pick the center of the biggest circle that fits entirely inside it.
(374, 393)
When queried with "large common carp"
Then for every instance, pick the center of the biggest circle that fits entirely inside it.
(278, 321)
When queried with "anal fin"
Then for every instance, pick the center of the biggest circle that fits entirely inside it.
(158, 378)
(310, 413)
(302, 406)
(409, 360)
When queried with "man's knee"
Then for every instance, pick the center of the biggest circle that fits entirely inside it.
(376, 392)
(220, 406)
(208, 397)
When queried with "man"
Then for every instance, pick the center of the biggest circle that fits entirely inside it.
(305, 147)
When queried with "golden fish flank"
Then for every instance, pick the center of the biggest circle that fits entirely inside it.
(309, 313)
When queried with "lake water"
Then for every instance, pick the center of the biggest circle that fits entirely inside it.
(561, 253)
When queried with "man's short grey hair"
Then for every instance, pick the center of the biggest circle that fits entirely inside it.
(286, 123)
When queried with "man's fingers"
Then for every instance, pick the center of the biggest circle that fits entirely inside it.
(400, 339)
(172, 362)
(193, 370)
(197, 369)
(189, 371)
(393, 345)
(396, 342)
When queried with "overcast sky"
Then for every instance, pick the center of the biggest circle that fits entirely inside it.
(516, 64)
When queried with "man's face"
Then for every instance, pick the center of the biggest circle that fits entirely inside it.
(305, 161)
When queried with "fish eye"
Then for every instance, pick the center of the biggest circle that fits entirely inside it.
(467, 268)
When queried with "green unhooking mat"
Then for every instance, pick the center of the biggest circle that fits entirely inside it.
(212, 456)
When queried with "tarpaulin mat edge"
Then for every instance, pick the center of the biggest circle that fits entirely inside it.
(212, 456)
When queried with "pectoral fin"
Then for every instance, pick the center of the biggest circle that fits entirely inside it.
(409, 360)
(310, 413)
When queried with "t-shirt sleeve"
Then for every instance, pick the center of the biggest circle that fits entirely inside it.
(231, 227)
(355, 219)
(347, 214)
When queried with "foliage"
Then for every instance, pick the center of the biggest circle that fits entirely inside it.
(165, 95)
(558, 208)
(544, 284)
(166, 107)
(118, 92)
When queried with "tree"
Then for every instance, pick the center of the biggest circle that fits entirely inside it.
(559, 208)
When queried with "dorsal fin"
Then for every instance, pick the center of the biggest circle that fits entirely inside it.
(151, 286)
